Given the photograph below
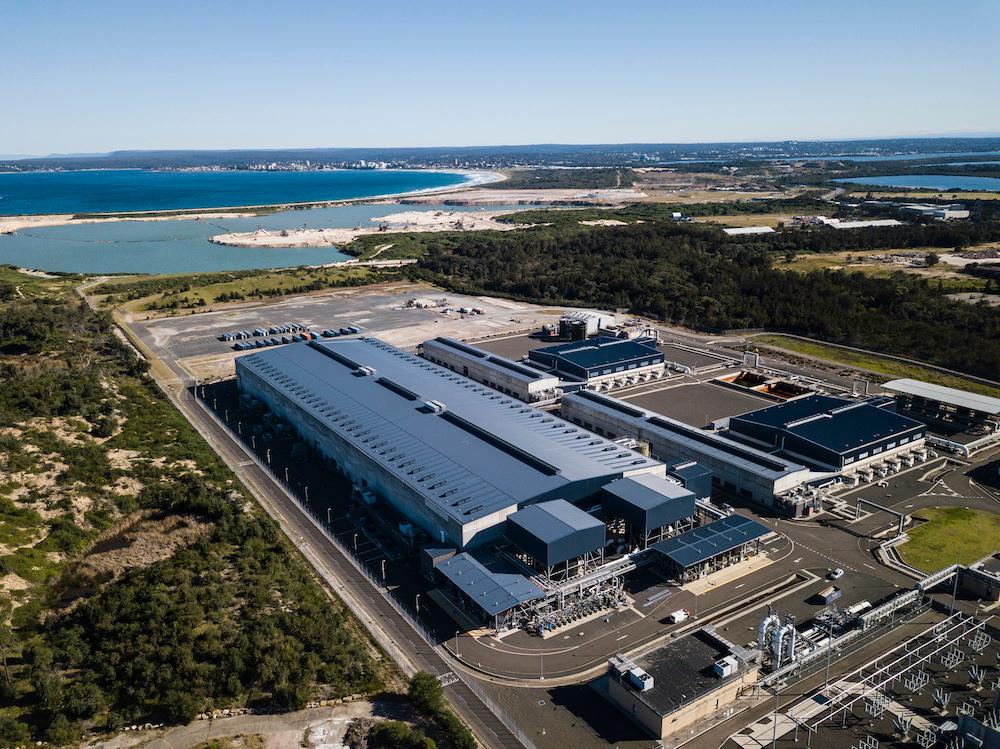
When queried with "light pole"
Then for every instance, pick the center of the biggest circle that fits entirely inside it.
(286, 474)
(457, 654)
(227, 415)
(307, 495)
(253, 441)
(383, 572)
(268, 456)
(416, 603)
(355, 535)
(777, 693)
(239, 428)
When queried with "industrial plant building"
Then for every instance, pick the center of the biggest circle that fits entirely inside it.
(604, 362)
(738, 468)
(947, 406)
(506, 376)
(780, 456)
(831, 434)
(451, 456)
(647, 508)
(679, 684)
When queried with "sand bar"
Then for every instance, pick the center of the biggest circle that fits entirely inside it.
(404, 222)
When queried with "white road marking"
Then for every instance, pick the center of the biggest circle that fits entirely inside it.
(739, 586)
(622, 637)
(796, 561)
(868, 566)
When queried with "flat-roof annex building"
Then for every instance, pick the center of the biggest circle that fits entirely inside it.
(498, 372)
(958, 408)
(452, 456)
(603, 362)
(830, 433)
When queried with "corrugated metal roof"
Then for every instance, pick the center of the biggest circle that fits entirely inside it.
(486, 359)
(492, 592)
(551, 521)
(707, 541)
(601, 351)
(647, 491)
(482, 452)
(832, 423)
(951, 396)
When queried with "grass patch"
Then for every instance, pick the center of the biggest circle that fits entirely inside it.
(197, 291)
(953, 534)
(948, 277)
(888, 369)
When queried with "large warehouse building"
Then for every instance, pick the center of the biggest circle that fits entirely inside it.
(830, 433)
(450, 455)
(498, 372)
(604, 362)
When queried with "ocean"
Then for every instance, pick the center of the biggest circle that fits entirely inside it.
(121, 190)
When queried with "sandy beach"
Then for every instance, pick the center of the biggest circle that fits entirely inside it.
(11, 224)
(406, 221)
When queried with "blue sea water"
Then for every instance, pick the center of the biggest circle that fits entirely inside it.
(182, 246)
(943, 182)
(113, 190)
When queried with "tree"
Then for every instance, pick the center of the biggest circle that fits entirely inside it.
(426, 692)
(931, 259)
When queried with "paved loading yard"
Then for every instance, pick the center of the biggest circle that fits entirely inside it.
(697, 403)
(688, 358)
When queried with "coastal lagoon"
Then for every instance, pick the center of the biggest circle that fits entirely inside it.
(124, 190)
(182, 246)
(942, 182)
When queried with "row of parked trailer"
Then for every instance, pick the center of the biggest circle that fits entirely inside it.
(300, 334)
(292, 327)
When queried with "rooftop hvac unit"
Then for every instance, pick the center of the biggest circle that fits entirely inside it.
(433, 407)
(726, 667)
(639, 679)
(365, 371)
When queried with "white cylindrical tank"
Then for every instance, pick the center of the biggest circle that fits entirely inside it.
(763, 627)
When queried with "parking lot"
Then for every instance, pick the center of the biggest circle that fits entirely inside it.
(696, 403)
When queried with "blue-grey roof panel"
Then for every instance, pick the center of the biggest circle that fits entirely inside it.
(475, 453)
(602, 351)
(492, 592)
(707, 541)
(833, 423)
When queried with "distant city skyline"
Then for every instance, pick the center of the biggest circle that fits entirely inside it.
(92, 78)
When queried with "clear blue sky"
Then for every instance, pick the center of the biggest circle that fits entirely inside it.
(108, 74)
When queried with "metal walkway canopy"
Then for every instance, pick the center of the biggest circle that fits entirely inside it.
(951, 396)
(709, 541)
(492, 592)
